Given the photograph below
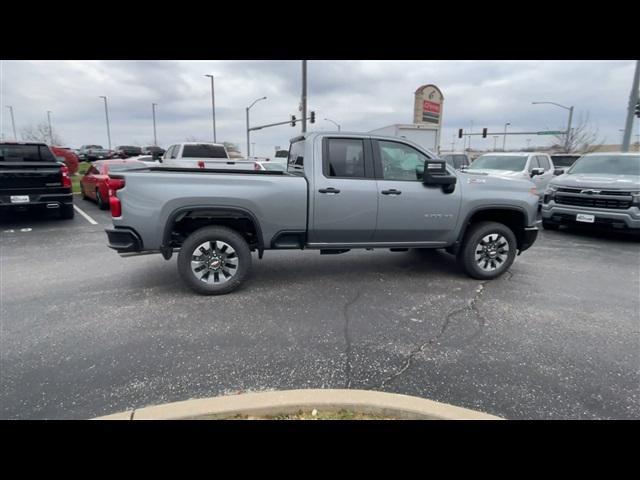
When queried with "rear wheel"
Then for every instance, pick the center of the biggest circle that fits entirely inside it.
(67, 212)
(214, 260)
(488, 250)
(102, 205)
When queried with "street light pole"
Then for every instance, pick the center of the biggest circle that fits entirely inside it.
(568, 133)
(528, 143)
(106, 112)
(50, 130)
(633, 101)
(504, 139)
(213, 108)
(153, 111)
(304, 96)
(248, 139)
(329, 120)
(495, 139)
(13, 123)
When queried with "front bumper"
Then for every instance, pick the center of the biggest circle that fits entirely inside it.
(528, 237)
(123, 240)
(566, 215)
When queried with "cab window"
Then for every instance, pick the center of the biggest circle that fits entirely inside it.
(400, 161)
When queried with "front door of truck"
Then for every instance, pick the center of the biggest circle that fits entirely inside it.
(409, 211)
(345, 194)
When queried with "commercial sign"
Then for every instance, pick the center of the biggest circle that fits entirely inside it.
(428, 105)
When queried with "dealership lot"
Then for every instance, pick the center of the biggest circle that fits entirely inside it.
(87, 333)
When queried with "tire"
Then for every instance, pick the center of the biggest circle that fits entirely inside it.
(491, 262)
(550, 226)
(67, 212)
(101, 203)
(84, 195)
(215, 280)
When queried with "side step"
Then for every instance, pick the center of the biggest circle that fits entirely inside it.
(333, 251)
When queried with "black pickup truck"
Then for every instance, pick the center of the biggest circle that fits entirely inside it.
(32, 178)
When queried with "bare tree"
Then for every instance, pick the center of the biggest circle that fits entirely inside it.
(40, 133)
(583, 138)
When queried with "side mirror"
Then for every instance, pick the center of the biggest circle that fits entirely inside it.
(435, 173)
(537, 171)
(558, 171)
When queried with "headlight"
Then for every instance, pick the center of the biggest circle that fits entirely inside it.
(549, 193)
(635, 199)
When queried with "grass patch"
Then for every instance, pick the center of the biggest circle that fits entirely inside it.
(75, 179)
(304, 415)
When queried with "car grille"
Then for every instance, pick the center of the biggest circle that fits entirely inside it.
(614, 199)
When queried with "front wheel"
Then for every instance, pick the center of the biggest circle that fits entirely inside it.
(488, 250)
(102, 205)
(214, 260)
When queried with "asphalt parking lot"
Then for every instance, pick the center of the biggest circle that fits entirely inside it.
(86, 333)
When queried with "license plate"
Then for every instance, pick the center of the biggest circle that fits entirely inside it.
(19, 198)
(581, 217)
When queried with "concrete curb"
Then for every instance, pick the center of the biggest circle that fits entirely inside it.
(290, 401)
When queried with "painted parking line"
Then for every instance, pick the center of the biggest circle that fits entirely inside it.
(87, 217)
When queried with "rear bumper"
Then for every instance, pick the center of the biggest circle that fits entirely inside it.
(616, 219)
(38, 200)
(123, 240)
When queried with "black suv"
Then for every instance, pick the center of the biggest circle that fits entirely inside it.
(32, 178)
(126, 151)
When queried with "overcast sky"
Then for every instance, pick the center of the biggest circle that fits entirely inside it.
(359, 95)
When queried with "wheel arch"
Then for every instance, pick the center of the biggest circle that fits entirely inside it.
(512, 216)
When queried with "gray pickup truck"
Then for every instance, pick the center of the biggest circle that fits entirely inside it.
(341, 191)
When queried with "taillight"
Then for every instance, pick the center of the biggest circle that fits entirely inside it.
(115, 184)
(256, 166)
(66, 180)
(201, 163)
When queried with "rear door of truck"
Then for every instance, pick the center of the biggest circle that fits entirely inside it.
(343, 191)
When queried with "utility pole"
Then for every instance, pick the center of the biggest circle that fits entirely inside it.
(304, 96)
(106, 112)
(504, 141)
(213, 108)
(13, 123)
(50, 130)
(633, 100)
(153, 111)
(248, 130)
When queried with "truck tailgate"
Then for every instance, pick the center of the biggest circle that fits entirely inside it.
(24, 176)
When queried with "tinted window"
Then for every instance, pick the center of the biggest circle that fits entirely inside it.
(345, 158)
(401, 162)
(295, 162)
(544, 162)
(204, 151)
(26, 153)
(499, 162)
(608, 164)
(564, 160)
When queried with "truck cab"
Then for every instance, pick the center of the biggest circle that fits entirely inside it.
(201, 155)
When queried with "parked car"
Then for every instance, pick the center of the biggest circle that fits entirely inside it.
(91, 153)
(341, 191)
(126, 151)
(600, 189)
(153, 150)
(269, 165)
(564, 160)
(456, 160)
(202, 155)
(31, 178)
(68, 157)
(94, 183)
(534, 166)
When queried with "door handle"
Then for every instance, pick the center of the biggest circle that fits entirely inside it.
(329, 190)
(393, 191)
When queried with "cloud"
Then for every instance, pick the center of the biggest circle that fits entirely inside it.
(359, 95)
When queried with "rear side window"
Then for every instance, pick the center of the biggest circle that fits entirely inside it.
(345, 158)
(26, 153)
(204, 151)
(295, 162)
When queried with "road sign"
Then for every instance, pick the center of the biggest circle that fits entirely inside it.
(550, 132)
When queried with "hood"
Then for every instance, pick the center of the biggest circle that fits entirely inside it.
(498, 173)
(591, 180)
(515, 181)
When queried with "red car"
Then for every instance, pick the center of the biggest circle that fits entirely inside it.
(93, 184)
(70, 159)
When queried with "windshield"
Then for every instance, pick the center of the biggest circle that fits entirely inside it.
(499, 162)
(607, 164)
(26, 153)
(117, 167)
(204, 150)
(295, 162)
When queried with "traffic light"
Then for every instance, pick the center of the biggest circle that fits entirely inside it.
(313, 117)
(638, 109)
(293, 120)
(484, 133)
(460, 133)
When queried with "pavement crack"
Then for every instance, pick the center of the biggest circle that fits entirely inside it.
(347, 339)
